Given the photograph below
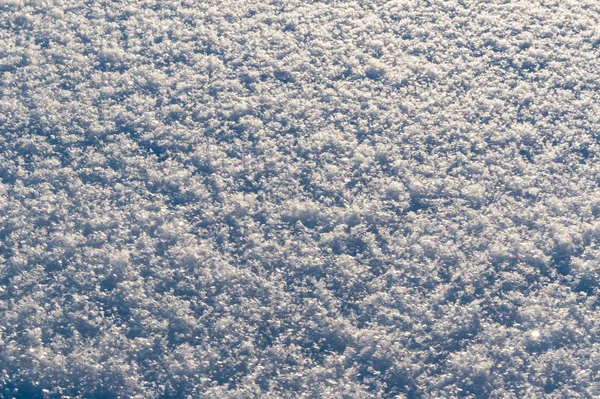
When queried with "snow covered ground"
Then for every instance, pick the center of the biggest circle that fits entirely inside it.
(299, 199)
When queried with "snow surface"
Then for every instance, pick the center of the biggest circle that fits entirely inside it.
(299, 199)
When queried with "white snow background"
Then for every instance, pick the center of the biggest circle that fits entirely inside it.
(299, 199)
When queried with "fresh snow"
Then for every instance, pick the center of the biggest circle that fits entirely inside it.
(299, 199)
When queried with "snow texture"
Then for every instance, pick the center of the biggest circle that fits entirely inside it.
(299, 199)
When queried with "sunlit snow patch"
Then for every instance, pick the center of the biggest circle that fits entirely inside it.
(535, 334)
